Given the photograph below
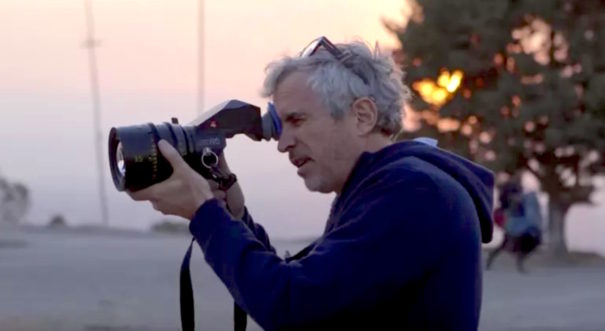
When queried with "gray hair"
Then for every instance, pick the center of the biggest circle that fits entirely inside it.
(339, 85)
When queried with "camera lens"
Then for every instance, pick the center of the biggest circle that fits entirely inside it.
(134, 158)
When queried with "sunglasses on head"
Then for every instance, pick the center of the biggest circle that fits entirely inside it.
(340, 55)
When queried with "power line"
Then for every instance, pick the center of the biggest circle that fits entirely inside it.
(200, 57)
(91, 44)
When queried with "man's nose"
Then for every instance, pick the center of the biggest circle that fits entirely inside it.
(285, 142)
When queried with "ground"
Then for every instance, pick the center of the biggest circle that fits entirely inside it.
(96, 280)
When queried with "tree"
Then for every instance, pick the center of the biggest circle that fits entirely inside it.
(57, 221)
(14, 201)
(514, 85)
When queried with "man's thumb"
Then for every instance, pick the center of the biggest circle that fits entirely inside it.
(171, 154)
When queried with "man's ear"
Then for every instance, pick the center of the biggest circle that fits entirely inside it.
(365, 114)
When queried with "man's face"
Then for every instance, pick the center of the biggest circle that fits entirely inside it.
(323, 149)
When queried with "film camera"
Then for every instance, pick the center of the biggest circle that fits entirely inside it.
(136, 163)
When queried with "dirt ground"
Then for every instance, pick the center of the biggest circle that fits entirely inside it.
(86, 280)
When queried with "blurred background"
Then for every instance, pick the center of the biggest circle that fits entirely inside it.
(148, 71)
(515, 85)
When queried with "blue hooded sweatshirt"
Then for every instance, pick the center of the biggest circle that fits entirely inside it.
(401, 249)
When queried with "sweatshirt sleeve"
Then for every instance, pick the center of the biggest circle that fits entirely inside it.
(390, 237)
(257, 229)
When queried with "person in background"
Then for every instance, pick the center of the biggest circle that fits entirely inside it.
(520, 218)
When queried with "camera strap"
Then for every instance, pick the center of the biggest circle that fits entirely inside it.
(240, 319)
(186, 297)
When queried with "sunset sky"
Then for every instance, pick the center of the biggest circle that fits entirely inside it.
(148, 71)
(147, 63)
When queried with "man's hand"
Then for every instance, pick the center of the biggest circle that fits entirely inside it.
(219, 194)
(182, 193)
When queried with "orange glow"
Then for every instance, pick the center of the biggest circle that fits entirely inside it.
(450, 82)
(443, 80)
(498, 59)
(430, 117)
(485, 137)
(467, 93)
(466, 130)
(438, 94)
(425, 87)
(448, 124)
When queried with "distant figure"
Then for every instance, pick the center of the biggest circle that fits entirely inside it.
(520, 217)
(401, 247)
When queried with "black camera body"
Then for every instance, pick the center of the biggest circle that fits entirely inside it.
(135, 161)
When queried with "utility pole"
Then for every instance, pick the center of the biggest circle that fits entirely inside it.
(200, 57)
(91, 44)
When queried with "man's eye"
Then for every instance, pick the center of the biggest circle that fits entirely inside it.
(296, 121)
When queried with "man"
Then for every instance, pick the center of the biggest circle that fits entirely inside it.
(402, 245)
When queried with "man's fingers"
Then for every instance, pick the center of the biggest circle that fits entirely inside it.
(213, 185)
(154, 192)
(219, 194)
(216, 191)
(171, 154)
(142, 195)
